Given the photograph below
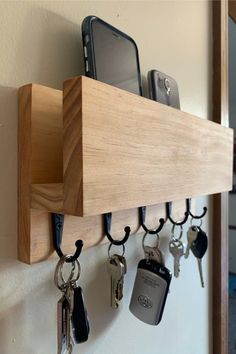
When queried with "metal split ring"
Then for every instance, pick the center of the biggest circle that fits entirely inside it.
(59, 279)
(173, 233)
(112, 244)
(144, 237)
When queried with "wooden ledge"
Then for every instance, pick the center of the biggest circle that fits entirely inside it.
(122, 151)
(117, 151)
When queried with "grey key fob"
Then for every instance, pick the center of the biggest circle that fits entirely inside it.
(150, 291)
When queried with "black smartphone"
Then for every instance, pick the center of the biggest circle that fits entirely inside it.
(163, 88)
(110, 55)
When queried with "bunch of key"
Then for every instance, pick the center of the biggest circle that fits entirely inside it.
(151, 286)
(198, 244)
(72, 320)
(117, 268)
(176, 248)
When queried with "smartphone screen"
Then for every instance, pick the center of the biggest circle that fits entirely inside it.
(114, 57)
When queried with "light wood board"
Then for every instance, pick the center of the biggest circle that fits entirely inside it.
(41, 187)
(122, 151)
(39, 152)
(41, 158)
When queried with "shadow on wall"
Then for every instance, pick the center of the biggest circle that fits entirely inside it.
(19, 306)
(50, 48)
(8, 174)
(98, 301)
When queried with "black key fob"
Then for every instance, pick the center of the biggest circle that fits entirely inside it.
(150, 291)
(200, 245)
(79, 318)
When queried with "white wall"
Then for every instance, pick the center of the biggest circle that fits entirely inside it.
(41, 42)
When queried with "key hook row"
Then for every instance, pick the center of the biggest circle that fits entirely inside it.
(57, 231)
(188, 206)
(142, 218)
(186, 214)
(168, 215)
(107, 220)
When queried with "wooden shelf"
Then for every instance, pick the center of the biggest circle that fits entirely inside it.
(123, 151)
(109, 151)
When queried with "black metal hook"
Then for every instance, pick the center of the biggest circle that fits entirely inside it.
(168, 212)
(188, 205)
(57, 231)
(142, 218)
(107, 219)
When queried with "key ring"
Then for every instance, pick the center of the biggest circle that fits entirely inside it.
(110, 246)
(191, 223)
(59, 279)
(144, 237)
(173, 233)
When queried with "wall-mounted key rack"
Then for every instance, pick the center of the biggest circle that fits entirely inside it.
(93, 149)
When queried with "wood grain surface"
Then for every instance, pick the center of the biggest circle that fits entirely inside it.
(41, 187)
(122, 151)
(39, 152)
(220, 244)
(48, 197)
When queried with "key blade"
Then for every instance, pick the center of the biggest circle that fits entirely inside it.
(116, 268)
(119, 290)
(176, 248)
(122, 260)
(186, 254)
(199, 262)
(61, 325)
(114, 299)
(191, 237)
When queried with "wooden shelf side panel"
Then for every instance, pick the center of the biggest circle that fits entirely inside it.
(123, 151)
(39, 156)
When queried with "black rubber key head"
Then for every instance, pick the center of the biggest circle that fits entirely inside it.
(80, 323)
(200, 245)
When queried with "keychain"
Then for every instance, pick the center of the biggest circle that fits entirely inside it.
(72, 317)
(151, 286)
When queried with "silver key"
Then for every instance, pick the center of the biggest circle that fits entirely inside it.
(116, 270)
(191, 237)
(69, 294)
(61, 324)
(66, 304)
(154, 254)
(120, 283)
(176, 248)
(199, 262)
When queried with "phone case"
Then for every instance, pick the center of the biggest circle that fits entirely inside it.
(87, 37)
(163, 89)
(89, 64)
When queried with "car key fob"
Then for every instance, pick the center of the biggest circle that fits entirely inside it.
(150, 291)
